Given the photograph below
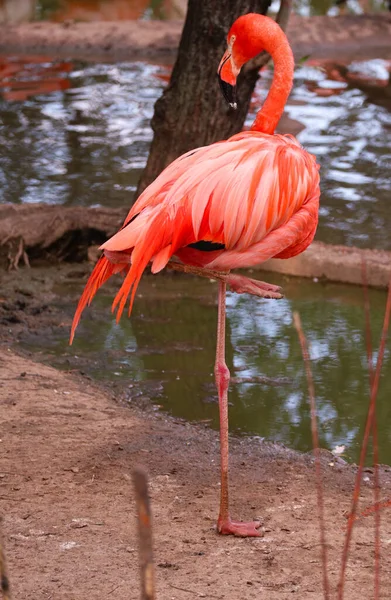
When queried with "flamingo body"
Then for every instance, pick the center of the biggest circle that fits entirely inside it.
(255, 194)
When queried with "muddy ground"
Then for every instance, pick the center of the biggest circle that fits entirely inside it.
(68, 450)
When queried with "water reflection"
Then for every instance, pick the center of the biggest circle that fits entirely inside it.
(166, 353)
(22, 77)
(86, 145)
(351, 139)
(372, 77)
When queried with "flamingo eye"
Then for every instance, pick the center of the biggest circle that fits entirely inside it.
(231, 41)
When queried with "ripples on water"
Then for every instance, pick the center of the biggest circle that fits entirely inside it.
(84, 146)
(88, 144)
(351, 138)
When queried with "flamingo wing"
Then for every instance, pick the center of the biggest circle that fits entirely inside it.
(255, 195)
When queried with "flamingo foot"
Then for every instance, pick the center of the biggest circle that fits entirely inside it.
(239, 529)
(245, 285)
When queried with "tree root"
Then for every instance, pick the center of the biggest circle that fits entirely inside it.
(53, 233)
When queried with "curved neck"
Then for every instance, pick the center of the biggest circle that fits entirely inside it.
(268, 116)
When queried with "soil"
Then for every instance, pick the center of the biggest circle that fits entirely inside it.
(352, 36)
(68, 452)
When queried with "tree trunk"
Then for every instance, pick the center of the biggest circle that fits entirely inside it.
(192, 112)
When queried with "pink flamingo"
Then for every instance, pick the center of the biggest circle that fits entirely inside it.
(235, 203)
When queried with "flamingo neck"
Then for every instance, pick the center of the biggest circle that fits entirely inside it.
(267, 118)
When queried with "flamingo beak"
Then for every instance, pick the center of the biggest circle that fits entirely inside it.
(227, 80)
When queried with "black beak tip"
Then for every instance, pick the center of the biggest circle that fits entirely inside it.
(229, 93)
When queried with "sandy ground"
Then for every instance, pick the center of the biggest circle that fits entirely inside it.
(68, 449)
(353, 36)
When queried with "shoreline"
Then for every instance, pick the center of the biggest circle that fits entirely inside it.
(353, 36)
(40, 230)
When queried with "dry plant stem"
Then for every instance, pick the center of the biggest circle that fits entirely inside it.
(377, 511)
(364, 447)
(145, 535)
(376, 491)
(315, 443)
(5, 588)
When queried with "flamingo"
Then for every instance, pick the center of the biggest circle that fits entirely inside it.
(235, 203)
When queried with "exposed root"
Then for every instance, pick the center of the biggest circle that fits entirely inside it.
(145, 535)
(14, 255)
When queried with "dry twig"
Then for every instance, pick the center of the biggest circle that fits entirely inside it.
(376, 491)
(315, 443)
(364, 447)
(145, 535)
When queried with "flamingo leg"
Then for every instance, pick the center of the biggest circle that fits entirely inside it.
(225, 525)
(238, 283)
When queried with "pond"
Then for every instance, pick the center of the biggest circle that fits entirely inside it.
(165, 354)
(87, 141)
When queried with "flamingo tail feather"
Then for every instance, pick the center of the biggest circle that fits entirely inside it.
(133, 260)
(102, 271)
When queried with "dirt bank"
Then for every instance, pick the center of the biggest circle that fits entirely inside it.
(352, 36)
(336, 263)
(68, 451)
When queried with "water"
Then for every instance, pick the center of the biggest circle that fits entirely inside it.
(165, 355)
(350, 134)
(87, 143)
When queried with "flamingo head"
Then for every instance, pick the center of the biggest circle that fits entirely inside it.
(248, 36)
